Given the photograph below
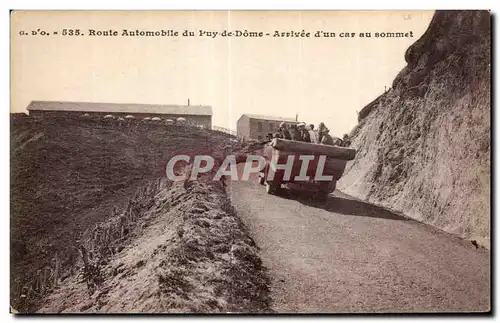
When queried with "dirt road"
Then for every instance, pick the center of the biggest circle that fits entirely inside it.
(349, 256)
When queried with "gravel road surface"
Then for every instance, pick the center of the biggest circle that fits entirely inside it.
(346, 255)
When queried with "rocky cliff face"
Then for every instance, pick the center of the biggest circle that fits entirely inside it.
(424, 146)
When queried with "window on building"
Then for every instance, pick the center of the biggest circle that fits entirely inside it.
(259, 126)
(271, 126)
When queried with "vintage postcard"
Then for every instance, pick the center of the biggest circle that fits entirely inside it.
(250, 162)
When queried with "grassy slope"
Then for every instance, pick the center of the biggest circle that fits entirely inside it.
(190, 253)
(67, 177)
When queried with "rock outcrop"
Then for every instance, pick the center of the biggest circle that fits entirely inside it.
(424, 146)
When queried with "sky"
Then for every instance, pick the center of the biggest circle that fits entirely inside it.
(324, 79)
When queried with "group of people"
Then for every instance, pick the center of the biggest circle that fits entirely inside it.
(299, 132)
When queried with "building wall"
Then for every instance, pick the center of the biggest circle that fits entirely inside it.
(257, 128)
(260, 128)
(206, 121)
(243, 127)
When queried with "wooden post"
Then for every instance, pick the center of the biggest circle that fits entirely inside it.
(29, 290)
(95, 235)
(43, 279)
(105, 235)
(85, 256)
(49, 278)
(116, 231)
(38, 279)
(19, 289)
(129, 205)
(57, 270)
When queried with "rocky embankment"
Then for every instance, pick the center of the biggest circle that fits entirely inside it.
(188, 252)
(424, 146)
(96, 226)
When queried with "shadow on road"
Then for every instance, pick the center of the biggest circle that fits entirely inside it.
(342, 205)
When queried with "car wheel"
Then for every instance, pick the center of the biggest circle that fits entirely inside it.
(271, 188)
(323, 196)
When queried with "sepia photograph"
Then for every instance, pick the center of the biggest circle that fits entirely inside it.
(250, 162)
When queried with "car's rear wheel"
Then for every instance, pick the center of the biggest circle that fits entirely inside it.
(272, 188)
(323, 196)
(333, 186)
(325, 190)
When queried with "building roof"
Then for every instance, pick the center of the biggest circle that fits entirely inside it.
(130, 108)
(271, 118)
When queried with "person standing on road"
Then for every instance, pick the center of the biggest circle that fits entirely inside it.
(283, 132)
(345, 140)
(313, 135)
(326, 139)
(337, 141)
(321, 129)
(294, 133)
(304, 134)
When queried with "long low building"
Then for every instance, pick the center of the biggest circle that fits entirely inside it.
(256, 126)
(195, 114)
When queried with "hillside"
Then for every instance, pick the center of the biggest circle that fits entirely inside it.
(189, 252)
(424, 146)
(71, 176)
